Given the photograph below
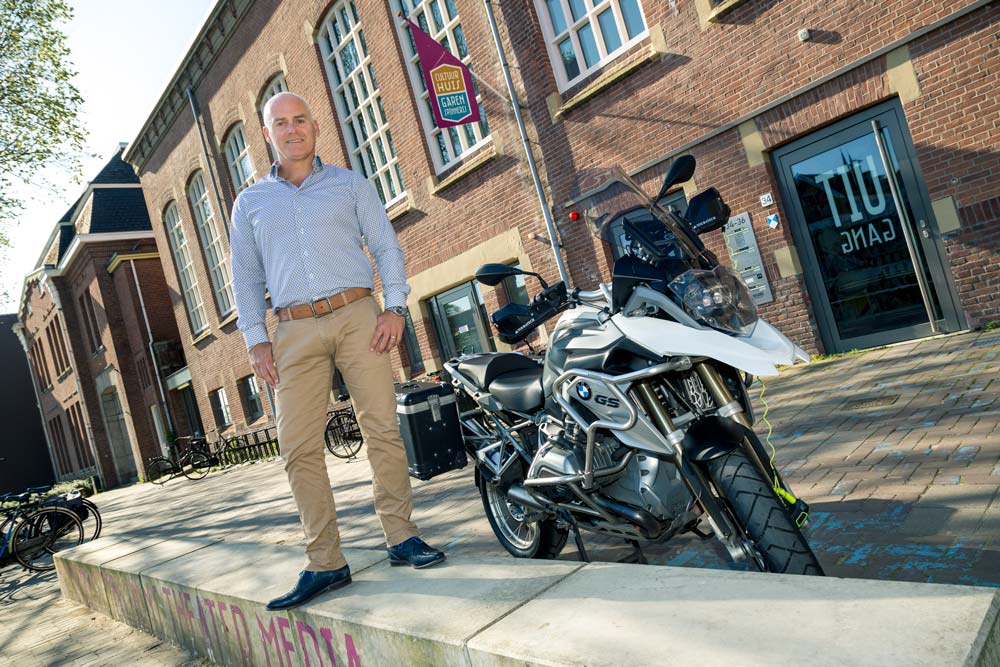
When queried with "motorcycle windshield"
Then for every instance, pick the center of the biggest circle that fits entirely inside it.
(618, 212)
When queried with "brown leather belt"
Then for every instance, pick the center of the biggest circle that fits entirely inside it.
(323, 306)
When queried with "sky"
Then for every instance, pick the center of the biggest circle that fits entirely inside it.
(124, 53)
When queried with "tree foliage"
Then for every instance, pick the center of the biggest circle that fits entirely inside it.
(39, 105)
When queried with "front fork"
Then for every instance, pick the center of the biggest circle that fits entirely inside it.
(694, 477)
(730, 407)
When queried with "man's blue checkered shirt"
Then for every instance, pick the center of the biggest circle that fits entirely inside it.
(304, 243)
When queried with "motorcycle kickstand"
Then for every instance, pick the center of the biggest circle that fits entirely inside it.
(571, 520)
(636, 557)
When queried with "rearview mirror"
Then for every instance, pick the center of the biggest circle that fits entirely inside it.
(680, 171)
(494, 274)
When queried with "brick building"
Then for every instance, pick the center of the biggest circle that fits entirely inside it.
(96, 323)
(24, 458)
(776, 100)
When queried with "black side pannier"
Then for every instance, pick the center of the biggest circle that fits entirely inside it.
(428, 421)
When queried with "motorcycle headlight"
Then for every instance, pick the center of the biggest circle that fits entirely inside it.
(718, 298)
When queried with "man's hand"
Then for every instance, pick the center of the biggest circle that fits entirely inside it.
(387, 332)
(263, 363)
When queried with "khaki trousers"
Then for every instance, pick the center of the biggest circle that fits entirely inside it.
(305, 351)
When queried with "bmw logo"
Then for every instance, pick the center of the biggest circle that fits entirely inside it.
(583, 390)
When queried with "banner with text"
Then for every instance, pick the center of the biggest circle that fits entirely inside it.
(448, 80)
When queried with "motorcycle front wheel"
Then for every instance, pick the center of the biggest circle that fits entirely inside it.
(539, 539)
(763, 516)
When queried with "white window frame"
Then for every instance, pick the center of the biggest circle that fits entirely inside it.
(197, 317)
(463, 140)
(373, 155)
(238, 155)
(211, 244)
(276, 85)
(594, 8)
(220, 405)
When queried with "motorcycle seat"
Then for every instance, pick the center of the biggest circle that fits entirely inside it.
(483, 368)
(519, 390)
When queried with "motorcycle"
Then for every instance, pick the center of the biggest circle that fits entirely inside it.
(637, 422)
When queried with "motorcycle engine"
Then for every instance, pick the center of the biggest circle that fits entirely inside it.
(566, 454)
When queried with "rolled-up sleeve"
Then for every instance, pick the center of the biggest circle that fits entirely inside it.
(382, 242)
(249, 279)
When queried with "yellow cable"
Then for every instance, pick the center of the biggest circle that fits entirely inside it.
(785, 495)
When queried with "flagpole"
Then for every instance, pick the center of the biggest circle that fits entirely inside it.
(549, 224)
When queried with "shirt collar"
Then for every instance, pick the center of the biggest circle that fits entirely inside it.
(317, 167)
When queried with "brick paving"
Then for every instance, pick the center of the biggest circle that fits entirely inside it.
(897, 450)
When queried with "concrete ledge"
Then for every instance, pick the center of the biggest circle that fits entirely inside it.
(209, 598)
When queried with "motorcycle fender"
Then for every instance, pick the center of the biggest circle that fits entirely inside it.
(711, 437)
(758, 354)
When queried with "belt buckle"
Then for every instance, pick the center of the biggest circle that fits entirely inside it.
(312, 307)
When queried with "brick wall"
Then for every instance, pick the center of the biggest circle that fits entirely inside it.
(706, 79)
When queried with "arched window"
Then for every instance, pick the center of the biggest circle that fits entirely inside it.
(439, 20)
(185, 268)
(238, 156)
(211, 244)
(358, 101)
(274, 86)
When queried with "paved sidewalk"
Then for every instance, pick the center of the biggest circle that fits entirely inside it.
(897, 450)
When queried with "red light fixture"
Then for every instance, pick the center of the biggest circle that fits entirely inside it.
(574, 216)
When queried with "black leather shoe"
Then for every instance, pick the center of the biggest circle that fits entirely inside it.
(415, 552)
(311, 584)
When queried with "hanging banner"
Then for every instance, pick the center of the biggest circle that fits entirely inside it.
(448, 80)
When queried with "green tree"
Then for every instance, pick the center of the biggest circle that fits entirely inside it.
(39, 105)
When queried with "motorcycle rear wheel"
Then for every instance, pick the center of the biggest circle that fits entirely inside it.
(540, 539)
(763, 516)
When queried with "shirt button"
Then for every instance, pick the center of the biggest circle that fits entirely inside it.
(305, 253)
(311, 276)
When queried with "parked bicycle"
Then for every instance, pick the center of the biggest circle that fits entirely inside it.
(193, 464)
(33, 531)
(342, 434)
(84, 508)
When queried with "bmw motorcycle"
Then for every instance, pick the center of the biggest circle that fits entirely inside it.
(637, 422)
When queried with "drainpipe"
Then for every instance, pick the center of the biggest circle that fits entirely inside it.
(204, 151)
(149, 334)
(550, 225)
(79, 389)
(19, 331)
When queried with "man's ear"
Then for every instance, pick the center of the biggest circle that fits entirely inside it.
(267, 134)
(316, 128)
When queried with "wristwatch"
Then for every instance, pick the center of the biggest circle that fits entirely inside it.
(398, 310)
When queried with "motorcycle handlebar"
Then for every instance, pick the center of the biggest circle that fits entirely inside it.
(602, 294)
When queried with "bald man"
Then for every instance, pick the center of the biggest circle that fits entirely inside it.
(300, 232)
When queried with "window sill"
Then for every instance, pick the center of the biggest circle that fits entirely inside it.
(65, 374)
(232, 317)
(399, 209)
(469, 165)
(654, 48)
(708, 14)
(97, 351)
(202, 336)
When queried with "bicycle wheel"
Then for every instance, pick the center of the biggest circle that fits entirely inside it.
(90, 517)
(342, 435)
(159, 470)
(234, 453)
(196, 465)
(43, 533)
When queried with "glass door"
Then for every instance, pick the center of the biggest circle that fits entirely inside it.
(460, 322)
(870, 283)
